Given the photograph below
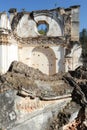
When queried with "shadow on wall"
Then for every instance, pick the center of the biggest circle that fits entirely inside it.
(61, 64)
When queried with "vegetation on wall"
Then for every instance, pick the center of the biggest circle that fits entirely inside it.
(42, 32)
(83, 40)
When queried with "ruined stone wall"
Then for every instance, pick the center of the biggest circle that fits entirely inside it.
(75, 23)
(4, 21)
(20, 29)
(60, 22)
(48, 59)
(8, 54)
(27, 27)
(8, 51)
(71, 23)
(26, 24)
(73, 59)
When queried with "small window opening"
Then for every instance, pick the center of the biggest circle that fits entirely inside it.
(42, 28)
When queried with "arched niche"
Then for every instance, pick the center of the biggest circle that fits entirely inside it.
(43, 58)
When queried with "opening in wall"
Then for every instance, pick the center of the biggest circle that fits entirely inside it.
(42, 27)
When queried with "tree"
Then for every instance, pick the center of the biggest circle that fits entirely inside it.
(83, 40)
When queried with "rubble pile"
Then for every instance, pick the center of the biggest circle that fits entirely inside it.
(64, 116)
(35, 74)
(78, 80)
(29, 82)
(65, 119)
(23, 79)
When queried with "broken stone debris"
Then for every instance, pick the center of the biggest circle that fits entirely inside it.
(24, 79)
(77, 79)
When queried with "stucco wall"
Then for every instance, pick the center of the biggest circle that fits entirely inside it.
(54, 26)
(49, 60)
(8, 53)
(77, 57)
(73, 60)
(22, 39)
(60, 58)
(75, 23)
(28, 27)
(4, 21)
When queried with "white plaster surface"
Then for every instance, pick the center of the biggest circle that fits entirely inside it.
(4, 22)
(27, 28)
(8, 54)
(54, 26)
(48, 60)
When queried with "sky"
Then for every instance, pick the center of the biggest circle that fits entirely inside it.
(31, 5)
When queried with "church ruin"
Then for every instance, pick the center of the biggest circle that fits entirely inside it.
(35, 47)
(57, 49)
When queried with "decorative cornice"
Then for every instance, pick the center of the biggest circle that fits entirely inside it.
(4, 39)
(40, 40)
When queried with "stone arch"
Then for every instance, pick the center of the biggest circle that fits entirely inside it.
(27, 27)
(55, 25)
(44, 59)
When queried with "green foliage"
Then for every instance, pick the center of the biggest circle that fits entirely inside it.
(83, 40)
(42, 28)
(42, 32)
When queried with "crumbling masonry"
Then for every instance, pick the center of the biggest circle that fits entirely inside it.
(58, 50)
(34, 43)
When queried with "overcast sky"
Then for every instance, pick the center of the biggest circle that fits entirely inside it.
(30, 5)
